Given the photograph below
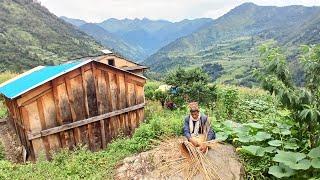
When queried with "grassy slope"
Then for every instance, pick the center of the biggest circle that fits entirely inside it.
(4, 77)
(30, 36)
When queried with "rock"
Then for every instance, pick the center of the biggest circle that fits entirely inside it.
(129, 159)
(123, 168)
(143, 165)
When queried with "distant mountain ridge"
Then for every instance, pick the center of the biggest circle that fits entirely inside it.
(112, 42)
(76, 22)
(232, 39)
(31, 36)
(144, 36)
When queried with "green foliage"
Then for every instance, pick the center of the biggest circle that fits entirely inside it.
(2, 154)
(303, 102)
(192, 85)
(150, 88)
(4, 77)
(281, 171)
(31, 36)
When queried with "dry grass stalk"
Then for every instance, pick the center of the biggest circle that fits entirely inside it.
(170, 161)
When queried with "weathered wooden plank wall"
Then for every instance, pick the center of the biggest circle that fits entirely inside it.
(52, 116)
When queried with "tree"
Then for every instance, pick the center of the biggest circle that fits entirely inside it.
(191, 85)
(303, 102)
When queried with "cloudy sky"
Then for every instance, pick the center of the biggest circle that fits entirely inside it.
(173, 10)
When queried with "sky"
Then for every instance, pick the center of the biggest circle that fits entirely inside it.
(172, 10)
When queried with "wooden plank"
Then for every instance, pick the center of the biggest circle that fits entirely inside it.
(108, 123)
(70, 101)
(36, 97)
(113, 90)
(99, 94)
(135, 79)
(104, 105)
(122, 91)
(83, 122)
(43, 126)
(77, 103)
(108, 91)
(35, 126)
(85, 130)
(51, 120)
(66, 114)
(58, 113)
(94, 107)
(25, 117)
(33, 93)
(85, 87)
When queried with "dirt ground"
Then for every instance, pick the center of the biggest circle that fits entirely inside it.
(10, 141)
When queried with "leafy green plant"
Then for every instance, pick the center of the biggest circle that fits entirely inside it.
(191, 85)
(2, 154)
(303, 102)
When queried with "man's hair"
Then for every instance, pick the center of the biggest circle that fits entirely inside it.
(191, 111)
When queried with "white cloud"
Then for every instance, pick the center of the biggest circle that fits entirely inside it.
(174, 10)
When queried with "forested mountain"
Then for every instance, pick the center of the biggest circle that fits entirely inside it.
(152, 35)
(112, 42)
(231, 40)
(30, 36)
(142, 37)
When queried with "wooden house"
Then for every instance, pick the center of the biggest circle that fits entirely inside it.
(81, 102)
(118, 61)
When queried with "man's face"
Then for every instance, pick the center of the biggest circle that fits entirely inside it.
(195, 114)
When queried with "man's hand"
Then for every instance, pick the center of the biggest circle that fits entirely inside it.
(203, 148)
(194, 142)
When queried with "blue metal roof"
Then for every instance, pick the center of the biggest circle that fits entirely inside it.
(39, 76)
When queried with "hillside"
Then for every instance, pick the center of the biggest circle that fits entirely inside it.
(30, 36)
(231, 40)
(112, 42)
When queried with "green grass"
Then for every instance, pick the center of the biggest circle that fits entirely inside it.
(2, 153)
(4, 77)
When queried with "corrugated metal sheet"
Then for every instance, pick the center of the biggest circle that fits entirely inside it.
(36, 77)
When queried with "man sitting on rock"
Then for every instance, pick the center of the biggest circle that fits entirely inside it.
(197, 128)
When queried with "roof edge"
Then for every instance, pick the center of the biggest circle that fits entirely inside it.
(51, 78)
(21, 75)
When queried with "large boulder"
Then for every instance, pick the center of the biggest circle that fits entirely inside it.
(157, 163)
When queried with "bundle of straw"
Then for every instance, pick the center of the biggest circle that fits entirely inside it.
(171, 162)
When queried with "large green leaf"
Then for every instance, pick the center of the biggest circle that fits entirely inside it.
(281, 131)
(270, 149)
(316, 163)
(293, 160)
(242, 130)
(254, 125)
(303, 164)
(253, 150)
(245, 138)
(292, 146)
(222, 136)
(275, 143)
(261, 136)
(231, 124)
(314, 153)
(281, 171)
